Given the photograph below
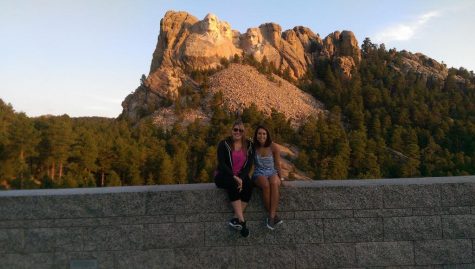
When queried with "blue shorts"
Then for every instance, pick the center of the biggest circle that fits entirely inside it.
(266, 173)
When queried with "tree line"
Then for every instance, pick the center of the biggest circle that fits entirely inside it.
(382, 123)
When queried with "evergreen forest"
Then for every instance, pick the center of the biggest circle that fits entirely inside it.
(381, 123)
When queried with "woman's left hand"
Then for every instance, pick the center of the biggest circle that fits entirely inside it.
(239, 182)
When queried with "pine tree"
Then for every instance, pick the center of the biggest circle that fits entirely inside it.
(166, 171)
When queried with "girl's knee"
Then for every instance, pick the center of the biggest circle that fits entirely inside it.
(274, 181)
(262, 182)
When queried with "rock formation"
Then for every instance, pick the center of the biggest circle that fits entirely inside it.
(186, 43)
(423, 65)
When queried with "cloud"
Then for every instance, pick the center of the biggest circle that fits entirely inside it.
(405, 31)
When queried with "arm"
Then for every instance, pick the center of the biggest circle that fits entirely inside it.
(276, 154)
(223, 155)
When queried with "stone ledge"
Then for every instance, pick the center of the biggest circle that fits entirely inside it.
(210, 186)
(393, 223)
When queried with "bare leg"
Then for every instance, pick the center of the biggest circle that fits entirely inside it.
(238, 210)
(274, 195)
(243, 206)
(263, 183)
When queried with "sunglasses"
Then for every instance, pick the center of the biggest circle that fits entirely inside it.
(238, 130)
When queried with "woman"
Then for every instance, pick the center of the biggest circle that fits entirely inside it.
(267, 173)
(235, 158)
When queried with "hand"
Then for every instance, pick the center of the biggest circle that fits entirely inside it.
(239, 183)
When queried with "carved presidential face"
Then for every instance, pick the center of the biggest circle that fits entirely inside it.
(210, 24)
(253, 36)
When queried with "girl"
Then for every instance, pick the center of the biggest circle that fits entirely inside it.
(235, 158)
(267, 173)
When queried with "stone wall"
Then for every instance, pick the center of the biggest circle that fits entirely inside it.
(397, 223)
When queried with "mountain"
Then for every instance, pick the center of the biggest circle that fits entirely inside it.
(187, 46)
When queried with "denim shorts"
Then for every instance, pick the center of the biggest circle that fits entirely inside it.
(264, 172)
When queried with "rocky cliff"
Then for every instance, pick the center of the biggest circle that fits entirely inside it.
(187, 44)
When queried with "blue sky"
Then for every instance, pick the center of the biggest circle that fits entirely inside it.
(82, 58)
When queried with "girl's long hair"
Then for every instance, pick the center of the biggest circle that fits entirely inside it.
(268, 142)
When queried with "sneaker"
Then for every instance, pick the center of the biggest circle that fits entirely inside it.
(234, 222)
(270, 223)
(277, 220)
(244, 231)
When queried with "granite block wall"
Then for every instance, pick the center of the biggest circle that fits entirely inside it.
(386, 223)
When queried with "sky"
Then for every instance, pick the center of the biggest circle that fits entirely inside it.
(82, 58)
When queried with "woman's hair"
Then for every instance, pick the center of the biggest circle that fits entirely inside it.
(243, 136)
(268, 142)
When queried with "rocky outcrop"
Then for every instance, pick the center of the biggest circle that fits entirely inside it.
(343, 49)
(187, 43)
(420, 64)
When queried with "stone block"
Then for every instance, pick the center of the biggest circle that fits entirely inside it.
(40, 239)
(202, 217)
(103, 259)
(353, 230)
(325, 255)
(461, 194)
(293, 199)
(17, 208)
(71, 206)
(48, 223)
(379, 213)
(11, 240)
(385, 254)
(77, 206)
(5, 224)
(123, 204)
(27, 261)
(443, 251)
(174, 235)
(331, 198)
(69, 239)
(411, 267)
(441, 211)
(459, 226)
(121, 237)
(412, 228)
(13, 260)
(460, 266)
(262, 215)
(113, 221)
(148, 259)
(210, 201)
(209, 257)
(296, 231)
(187, 202)
(165, 202)
(366, 197)
(407, 196)
(281, 256)
(324, 214)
